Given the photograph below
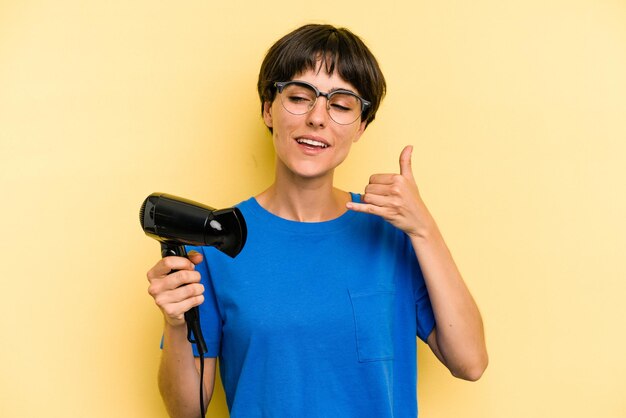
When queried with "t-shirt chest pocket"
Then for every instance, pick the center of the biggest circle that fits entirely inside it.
(373, 319)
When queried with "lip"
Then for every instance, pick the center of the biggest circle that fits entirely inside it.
(312, 138)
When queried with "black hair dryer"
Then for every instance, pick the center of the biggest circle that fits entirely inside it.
(176, 222)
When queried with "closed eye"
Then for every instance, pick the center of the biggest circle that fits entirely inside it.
(298, 99)
(340, 107)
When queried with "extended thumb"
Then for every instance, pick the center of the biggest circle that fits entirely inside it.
(405, 161)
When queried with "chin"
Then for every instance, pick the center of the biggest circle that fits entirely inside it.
(309, 173)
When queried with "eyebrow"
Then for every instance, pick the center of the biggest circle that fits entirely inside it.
(334, 89)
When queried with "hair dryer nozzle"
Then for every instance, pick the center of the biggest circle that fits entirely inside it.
(232, 232)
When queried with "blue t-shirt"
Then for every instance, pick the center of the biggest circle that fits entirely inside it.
(316, 319)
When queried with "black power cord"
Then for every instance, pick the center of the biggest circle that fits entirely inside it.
(192, 317)
(194, 336)
(202, 385)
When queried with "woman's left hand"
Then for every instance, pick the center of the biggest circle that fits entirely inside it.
(396, 198)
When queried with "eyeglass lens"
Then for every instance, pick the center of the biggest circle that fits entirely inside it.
(299, 99)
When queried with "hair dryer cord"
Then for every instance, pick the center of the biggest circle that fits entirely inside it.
(192, 317)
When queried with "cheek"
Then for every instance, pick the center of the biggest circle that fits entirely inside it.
(350, 136)
(281, 131)
(279, 119)
(345, 145)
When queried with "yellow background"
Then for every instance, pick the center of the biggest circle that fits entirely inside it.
(517, 110)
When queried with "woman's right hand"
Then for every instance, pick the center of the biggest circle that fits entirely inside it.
(176, 292)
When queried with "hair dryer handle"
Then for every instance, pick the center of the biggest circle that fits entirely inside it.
(192, 316)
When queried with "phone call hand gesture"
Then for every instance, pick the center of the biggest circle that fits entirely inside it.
(396, 198)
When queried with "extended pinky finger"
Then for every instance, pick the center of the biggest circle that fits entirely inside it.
(365, 208)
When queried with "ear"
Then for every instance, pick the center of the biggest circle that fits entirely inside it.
(360, 131)
(267, 114)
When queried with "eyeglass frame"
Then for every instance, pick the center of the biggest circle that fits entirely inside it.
(280, 86)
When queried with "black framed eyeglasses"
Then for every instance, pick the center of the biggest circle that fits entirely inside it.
(299, 97)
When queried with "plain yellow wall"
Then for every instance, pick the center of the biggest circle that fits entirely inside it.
(517, 110)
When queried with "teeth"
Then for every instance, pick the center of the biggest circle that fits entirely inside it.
(312, 142)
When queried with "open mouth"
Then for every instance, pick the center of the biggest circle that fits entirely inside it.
(311, 143)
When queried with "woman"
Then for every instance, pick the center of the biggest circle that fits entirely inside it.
(317, 316)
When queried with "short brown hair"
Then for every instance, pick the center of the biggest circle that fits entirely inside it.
(337, 48)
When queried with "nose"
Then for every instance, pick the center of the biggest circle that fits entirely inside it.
(318, 115)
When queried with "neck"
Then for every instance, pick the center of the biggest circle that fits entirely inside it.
(304, 200)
